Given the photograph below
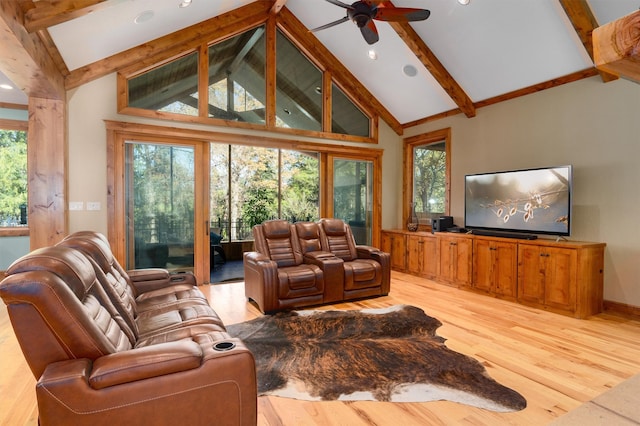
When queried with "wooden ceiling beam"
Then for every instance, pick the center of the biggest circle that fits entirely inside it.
(435, 67)
(616, 47)
(314, 49)
(584, 22)
(173, 44)
(47, 13)
(277, 6)
(24, 59)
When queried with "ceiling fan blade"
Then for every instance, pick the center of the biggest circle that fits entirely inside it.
(330, 24)
(339, 3)
(402, 14)
(370, 33)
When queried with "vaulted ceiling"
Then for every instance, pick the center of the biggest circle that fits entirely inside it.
(460, 59)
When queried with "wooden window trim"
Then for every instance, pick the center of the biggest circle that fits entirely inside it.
(407, 166)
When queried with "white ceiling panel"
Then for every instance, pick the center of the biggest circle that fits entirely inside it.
(606, 11)
(108, 31)
(492, 47)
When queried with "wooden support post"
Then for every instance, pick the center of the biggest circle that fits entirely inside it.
(616, 47)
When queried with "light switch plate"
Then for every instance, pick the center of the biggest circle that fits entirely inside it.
(93, 205)
(76, 205)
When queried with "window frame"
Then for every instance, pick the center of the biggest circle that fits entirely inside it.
(22, 126)
(436, 136)
(119, 132)
(289, 30)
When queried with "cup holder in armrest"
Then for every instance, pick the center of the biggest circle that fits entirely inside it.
(224, 346)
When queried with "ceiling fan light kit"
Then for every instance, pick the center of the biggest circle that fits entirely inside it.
(363, 13)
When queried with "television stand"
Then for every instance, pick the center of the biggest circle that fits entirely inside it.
(504, 234)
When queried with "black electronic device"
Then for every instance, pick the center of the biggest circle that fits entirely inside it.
(441, 224)
(457, 229)
(530, 201)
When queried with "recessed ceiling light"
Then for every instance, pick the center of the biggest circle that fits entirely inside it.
(145, 16)
(464, 2)
(409, 70)
(372, 54)
(6, 86)
(185, 3)
(318, 90)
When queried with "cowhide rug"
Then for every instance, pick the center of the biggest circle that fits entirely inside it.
(388, 354)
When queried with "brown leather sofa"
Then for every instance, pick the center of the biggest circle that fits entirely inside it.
(111, 347)
(311, 263)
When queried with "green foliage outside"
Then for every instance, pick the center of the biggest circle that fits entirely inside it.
(13, 175)
(429, 176)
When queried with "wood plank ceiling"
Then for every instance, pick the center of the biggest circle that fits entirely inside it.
(48, 76)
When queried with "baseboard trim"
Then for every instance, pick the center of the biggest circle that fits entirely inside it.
(622, 308)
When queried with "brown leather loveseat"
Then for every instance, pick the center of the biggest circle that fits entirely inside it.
(114, 347)
(311, 263)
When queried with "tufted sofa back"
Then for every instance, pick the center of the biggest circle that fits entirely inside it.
(308, 236)
(277, 240)
(58, 309)
(336, 237)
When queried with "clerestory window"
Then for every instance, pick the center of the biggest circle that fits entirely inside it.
(237, 89)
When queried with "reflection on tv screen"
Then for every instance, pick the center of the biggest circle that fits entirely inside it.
(537, 200)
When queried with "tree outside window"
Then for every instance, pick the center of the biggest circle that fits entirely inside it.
(13, 178)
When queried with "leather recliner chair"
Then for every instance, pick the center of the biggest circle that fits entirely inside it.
(275, 275)
(92, 369)
(278, 274)
(367, 270)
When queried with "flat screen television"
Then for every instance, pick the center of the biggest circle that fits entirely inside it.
(531, 201)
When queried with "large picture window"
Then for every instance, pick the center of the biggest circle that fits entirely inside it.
(252, 184)
(188, 184)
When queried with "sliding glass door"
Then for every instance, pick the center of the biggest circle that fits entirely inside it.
(353, 196)
(160, 210)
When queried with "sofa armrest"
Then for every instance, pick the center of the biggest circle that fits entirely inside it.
(225, 380)
(319, 257)
(148, 279)
(383, 258)
(143, 363)
(261, 280)
(333, 273)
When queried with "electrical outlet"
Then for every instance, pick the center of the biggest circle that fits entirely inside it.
(76, 205)
(93, 205)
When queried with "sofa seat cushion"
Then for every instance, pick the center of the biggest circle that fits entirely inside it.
(195, 332)
(299, 281)
(175, 295)
(154, 321)
(362, 273)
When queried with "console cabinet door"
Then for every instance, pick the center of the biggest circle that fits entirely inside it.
(483, 265)
(547, 276)
(455, 259)
(395, 244)
(422, 259)
(560, 278)
(530, 274)
(495, 267)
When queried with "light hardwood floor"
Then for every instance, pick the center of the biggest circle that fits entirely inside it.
(556, 362)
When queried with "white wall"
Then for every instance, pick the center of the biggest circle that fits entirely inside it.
(593, 126)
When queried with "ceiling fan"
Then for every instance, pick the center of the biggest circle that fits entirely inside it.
(363, 13)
